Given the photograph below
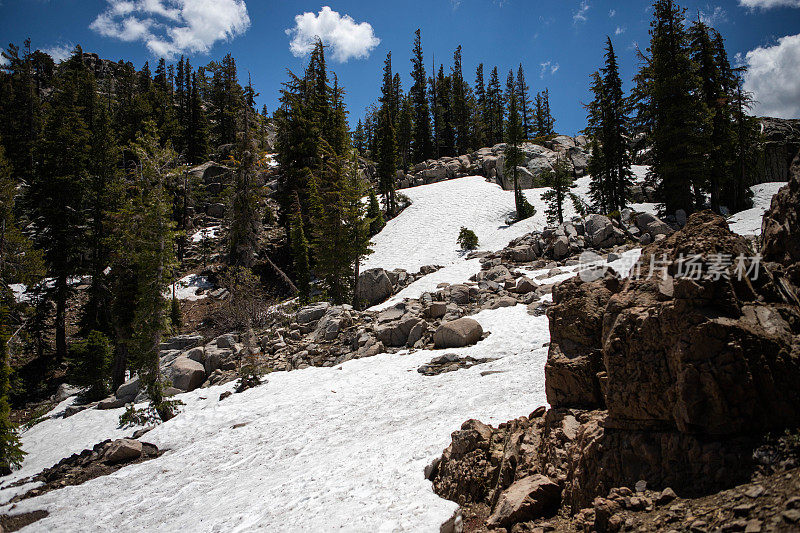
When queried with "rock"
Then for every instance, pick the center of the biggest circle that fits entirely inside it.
(186, 374)
(436, 310)
(780, 227)
(641, 485)
(374, 287)
(781, 142)
(666, 496)
(181, 343)
(123, 450)
(111, 402)
(311, 313)
(680, 217)
(228, 340)
(226, 394)
(459, 294)
(599, 229)
(652, 225)
(458, 333)
(64, 391)
(505, 301)
(397, 333)
(526, 499)
(128, 390)
(560, 247)
(525, 285)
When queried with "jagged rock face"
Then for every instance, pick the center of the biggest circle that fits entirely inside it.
(575, 355)
(688, 374)
(781, 145)
(708, 356)
(781, 225)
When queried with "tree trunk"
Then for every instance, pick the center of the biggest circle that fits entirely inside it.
(61, 317)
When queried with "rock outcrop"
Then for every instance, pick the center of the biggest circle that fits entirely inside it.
(780, 229)
(781, 144)
(661, 377)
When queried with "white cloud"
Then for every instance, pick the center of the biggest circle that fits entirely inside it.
(713, 16)
(171, 27)
(548, 67)
(612, 13)
(341, 33)
(620, 30)
(773, 76)
(60, 52)
(455, 3)
(580, 14)
(768, 4)
(4, 61)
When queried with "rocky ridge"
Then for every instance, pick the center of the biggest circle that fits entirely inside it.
(665, 379)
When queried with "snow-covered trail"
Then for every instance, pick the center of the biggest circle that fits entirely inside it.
(322, 449)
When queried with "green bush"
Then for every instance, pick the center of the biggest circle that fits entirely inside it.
(467, 239)
(90, 365)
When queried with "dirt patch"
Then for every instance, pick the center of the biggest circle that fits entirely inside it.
(15, 522)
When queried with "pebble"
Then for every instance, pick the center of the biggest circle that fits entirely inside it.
(641, 485)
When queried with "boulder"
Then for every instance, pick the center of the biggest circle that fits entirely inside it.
(780, 227)
(652, 225)
(397, 333)
(186, 374)
(458, 333)
(123, 450)
(311, 313)
(111, 402)
(374, 287)
(128, 390)
(526, 499)
(560, 247)
(436, 310)
(181, 343)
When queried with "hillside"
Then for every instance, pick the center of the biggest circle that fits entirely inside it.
(343, 446)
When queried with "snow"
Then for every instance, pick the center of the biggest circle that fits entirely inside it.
(186, 288)
(748, 222)
(339, 448)
(322, 448)
(211, 232)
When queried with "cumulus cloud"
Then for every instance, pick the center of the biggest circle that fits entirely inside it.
(769, 4)
(620, 30)
(773, 76)
(714, 16)
(581, 14)
(60, 52)
(171, 27)
(341, 33)
(548, 67)
(612, 13)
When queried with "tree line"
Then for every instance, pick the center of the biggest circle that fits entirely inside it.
(94, 183)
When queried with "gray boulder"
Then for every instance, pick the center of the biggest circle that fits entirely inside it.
(186, 374)
(123, 450)
(374, 286)
(458, 333)
(128, 390)
(397, 333)
(310, 313)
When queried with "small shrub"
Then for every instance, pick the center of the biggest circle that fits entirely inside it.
(150, 415)
(467, 239)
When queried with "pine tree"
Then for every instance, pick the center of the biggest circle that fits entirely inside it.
(196, 137)
(421, 144)
(481, 116)
(387, 143)
(19, 263)
(513, 154)
(405, 127)
(90, 365)
(672, 110)
(144, 252)
(494, 103)
(58, 189)
(300, 253)
(374, 214)
(525, 109)
(360, 138)
(608, 126)
(461, 108)
(558, 179)
(245, 219)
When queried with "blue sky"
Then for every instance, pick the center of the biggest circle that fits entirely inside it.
(559, 43)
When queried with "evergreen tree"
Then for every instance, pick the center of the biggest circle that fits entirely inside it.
(405, 127)
(674, 113)
(245, 219)
(421, 144)
(608, 126)
(374, 214)
(387, 143)
(144, 252)
(226, 101)
(90, 365)
(495, 111)
(300, 253)
(481, 116)
(525, 108)
(446, 130)
(514, 157)
(559, 181)
(58, 189)
(196, 137)
(461, 108)
(360, 138)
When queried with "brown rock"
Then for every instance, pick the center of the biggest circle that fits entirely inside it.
(458, 333)
(526, 499)
(123, 450)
